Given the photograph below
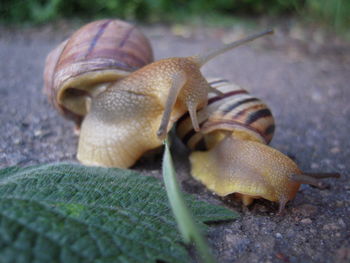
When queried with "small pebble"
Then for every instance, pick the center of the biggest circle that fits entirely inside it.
(331, 226)
(278, 235)
(343, 254)
(239, 242)
(340, 203)
(335, 150)
(341, 222)
(38, 133)
(282, 257)
(306, 210)
(17, 141)
(314, 166)
(341, 166)
(290, 233)
(261, 208)
(306, 221)
(316, 96)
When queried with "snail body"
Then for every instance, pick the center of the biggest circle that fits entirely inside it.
(103, 78)
(123, 121)
(231, 154)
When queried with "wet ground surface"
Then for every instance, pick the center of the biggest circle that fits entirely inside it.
(304, 80)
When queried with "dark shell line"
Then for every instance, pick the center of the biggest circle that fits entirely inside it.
(232, 93)
(126, 37)
(231, 107)
(258, 115)
(98, 35)
(215, 82)
(192, 132)
(246, 117)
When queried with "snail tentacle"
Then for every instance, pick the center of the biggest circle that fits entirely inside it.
(178, 81)
(204, 58)
(192, 110)
(323, 175)
(313, 178)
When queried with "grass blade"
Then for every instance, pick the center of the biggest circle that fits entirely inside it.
(188, 228)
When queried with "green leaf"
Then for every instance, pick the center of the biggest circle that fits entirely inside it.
(72, 213)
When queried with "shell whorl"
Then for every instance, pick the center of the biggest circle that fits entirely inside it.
(235, 111)
(99, 52)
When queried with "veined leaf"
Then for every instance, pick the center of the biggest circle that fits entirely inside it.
(73, 213)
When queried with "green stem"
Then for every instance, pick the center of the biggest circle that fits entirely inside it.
(186, 224)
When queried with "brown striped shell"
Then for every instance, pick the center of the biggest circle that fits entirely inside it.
(97, 54)
(235, 111)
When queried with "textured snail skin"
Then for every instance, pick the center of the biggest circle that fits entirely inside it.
(235, 129)
(250, 168)
(123, 121)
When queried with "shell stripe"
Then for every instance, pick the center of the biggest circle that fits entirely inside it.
(188, 136)
(235, 105)
(111, 55)
(247, 109)
(240, 124)
(97, 37)
(120, 55)
(258, 115)
(215, 99)
(236, 93)
(114, 65)
(216, 82)
(229, 94)
(270, 130)
(131, 45)
(235, 108)
(200, 145)
(192, 132)
(126, 37)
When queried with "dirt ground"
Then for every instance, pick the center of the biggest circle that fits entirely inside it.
(303, 77)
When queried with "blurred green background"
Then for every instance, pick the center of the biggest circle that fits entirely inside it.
(332, 13)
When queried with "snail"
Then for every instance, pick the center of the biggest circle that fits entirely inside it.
(231, 154)
(124, 113)
(82, 66)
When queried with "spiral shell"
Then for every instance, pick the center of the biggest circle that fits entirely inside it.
(98, 53)
(236, 111)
